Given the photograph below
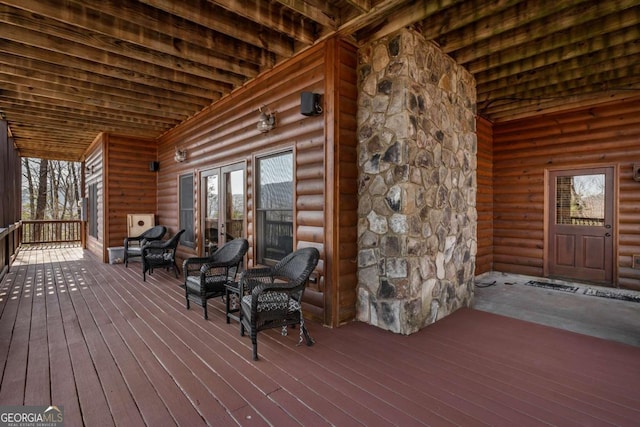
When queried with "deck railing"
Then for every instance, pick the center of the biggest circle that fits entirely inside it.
(51, 231)
(9, 243)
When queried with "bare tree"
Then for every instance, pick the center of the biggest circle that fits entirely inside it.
(31, 189)
(52, 190)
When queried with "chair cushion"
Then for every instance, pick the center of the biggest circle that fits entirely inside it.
(270, 301)
(213, 285)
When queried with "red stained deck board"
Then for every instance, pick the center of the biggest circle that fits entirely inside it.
(177, 404)
(453, 362)
(444, 377)
(226, 393)
(419, 379)
(63, 388)
(578, 399)
(14, 375)
(150, 405)
(471, 368)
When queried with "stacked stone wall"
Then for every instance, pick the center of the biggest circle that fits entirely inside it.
(417, 183)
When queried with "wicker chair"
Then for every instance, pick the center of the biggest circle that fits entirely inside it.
(206, 277)
(271, 297)
(133, 245)
(158, 254)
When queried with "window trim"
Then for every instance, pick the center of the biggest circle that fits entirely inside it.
(183, 178)
(259, 259)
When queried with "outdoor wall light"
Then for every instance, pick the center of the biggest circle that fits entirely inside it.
(266, 121)
(180, 156)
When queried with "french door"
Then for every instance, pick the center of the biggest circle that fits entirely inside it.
(222, 206)
(580, 224)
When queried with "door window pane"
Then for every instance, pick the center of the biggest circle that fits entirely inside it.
(186, 210)
(274, 237)
(234, 191)
(580, 200)
(211, 210)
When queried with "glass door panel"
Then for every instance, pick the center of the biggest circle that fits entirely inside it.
(211, 210)
(234, 203)
(223, 206)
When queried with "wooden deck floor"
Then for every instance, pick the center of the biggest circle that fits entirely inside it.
(114, 350)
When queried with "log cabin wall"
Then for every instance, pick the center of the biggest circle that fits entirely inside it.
(341, 201)
(602, 135)
(119, 165)
(131, 185)
(484, 196)
(93, 160)
(225, 133)
(11, 178)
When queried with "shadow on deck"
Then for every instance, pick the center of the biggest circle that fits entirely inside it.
(112, 349)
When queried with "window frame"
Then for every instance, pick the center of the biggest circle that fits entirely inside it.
(260, 212)
(93, 209)
(190, 231)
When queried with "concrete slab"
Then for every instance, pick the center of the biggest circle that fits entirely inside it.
(607, 318)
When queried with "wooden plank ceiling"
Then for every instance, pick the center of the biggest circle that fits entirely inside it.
(70, 69)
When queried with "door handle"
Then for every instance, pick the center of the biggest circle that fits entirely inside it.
(607, 235)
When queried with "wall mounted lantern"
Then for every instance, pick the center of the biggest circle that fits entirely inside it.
(266, 121)
(180, 156)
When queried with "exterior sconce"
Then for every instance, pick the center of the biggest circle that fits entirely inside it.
(636, 171)
(267, 121)
(180, 156)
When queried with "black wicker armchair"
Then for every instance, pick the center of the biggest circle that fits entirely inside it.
(271, 297)
(160, 254)
(133, 245)
(206, 277)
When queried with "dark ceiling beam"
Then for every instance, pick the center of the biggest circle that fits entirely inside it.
(108, 97)
(34, 78)
(488, 70)
(83, 46)
(363, 6)
(324, 17)
(513, 24)
(264, 14)
(80, 116)
(624, 58)
(107, 65)
(29, 57)
(200, 12)
(86, 107)
(519, 109)
(460, 15)
(566, 25)
(117, 35)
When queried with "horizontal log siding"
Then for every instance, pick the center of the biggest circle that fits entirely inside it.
(94, 163)
(225, 133)
(607, 134)
(131, 186)
(344, 196)
(484, 198)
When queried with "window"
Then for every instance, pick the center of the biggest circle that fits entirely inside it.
(274, 210)
(580, 200)
(186, 211)
(93, 210)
